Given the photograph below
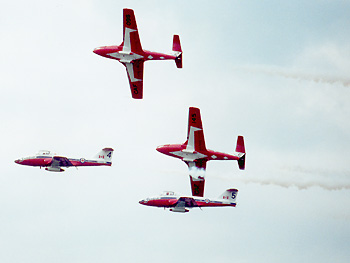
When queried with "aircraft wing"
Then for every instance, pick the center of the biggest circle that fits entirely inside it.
(197, 186)
(131, 40)
(195, 136)
(58, 161)
(197, 176)
(135, 76)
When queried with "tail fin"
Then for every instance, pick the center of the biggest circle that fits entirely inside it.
(229, 195)
(178, 51)
(240, 149)
(105, 155)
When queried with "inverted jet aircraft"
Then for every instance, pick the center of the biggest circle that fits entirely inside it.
(53, 163)
(132, 56)
(194, 153)
(180, 203)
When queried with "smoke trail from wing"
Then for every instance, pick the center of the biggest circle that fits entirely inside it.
(197, 172)
(297, 177)
(286, 176)
(287, 73)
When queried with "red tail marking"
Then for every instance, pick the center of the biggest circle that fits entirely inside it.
(176, 43)
(240, 145)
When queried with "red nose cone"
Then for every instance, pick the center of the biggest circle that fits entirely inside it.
(17, 161)
(143, 202)
(160, 149)
(98, 51)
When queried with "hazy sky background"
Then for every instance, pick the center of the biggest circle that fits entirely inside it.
(275, 72)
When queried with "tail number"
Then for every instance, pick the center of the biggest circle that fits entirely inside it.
(194, 118)
(128, 20)
(135, 89)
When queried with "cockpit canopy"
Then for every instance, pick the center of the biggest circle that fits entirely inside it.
(44, 153)
(168, 193)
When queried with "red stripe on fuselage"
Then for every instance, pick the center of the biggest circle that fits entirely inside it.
(211, 155)
(171, 203)
(35, 161)
(47, 162)
(88, 163)
(147, 55)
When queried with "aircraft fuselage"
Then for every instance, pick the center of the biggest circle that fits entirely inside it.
(180, 151)
(167, 202)
(117, 52)
(44, 161)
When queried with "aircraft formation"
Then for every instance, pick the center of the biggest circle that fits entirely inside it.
(193, 151)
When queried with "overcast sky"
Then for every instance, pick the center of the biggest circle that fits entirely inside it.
(275, 72)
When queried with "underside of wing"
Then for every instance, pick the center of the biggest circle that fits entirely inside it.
(197, 176)
(200, 164)
(135, 76)
(131, 40)
(197, 186)
(58, 161)
(195, 136)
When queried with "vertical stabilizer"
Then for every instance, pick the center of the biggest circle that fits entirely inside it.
(178, 51)
(105, 154)
(240, 149)
(229, 195)
(240, 144)
(176, 43)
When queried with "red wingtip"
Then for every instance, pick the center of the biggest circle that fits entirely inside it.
(129, 20)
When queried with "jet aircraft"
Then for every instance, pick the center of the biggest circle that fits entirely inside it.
(180, 203)
(195, 154)
(53, 162)
(132, 56)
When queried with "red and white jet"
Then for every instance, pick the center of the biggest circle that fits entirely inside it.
(132, 56)
(180, 203)
(53, 163)
(194, 153)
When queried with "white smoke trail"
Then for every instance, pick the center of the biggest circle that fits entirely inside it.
(285, 176)
(297, 177)
(289, 73)
(197, 173)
